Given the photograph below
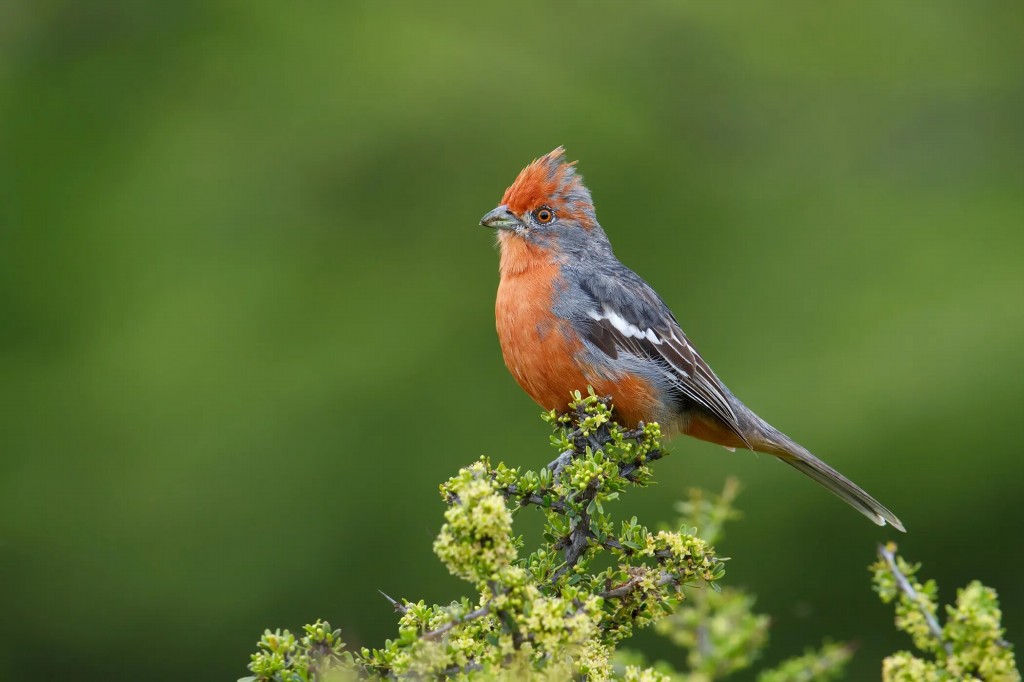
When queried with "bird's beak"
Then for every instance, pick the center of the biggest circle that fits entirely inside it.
(501, 218)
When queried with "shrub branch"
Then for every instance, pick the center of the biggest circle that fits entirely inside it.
(889, 556)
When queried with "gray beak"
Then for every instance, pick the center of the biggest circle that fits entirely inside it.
(501, 219)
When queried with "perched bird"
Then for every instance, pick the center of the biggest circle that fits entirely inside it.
(570, 315)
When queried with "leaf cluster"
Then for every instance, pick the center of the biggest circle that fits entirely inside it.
(970, 646)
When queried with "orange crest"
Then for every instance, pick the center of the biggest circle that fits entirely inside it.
(549, 181)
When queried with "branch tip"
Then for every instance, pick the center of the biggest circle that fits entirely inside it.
(398, 607)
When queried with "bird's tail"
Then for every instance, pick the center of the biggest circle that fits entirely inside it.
(797, 456)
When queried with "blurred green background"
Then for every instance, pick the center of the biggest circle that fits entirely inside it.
(246, 319)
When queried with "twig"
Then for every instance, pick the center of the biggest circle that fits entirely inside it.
(613, 543)
(628, 471)
(704, 646)
(913, 596)
(579, 537)
(578, 540)
(472, 615)
(532, 498)
(454, 670)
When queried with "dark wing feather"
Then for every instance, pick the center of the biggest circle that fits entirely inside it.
(628, 316)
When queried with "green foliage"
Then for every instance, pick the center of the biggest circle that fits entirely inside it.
(560, 611)
(719, 630)
(318, 655)
(814, 666)
(970, 646)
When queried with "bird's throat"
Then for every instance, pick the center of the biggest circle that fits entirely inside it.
(518, 255)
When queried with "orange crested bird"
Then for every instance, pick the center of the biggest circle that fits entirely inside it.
(570, 315)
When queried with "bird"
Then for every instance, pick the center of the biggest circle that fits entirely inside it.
(570, 316)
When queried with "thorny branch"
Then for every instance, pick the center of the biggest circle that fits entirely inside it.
(510, 492)
(581, 537)
(595, 440)
(901, 580)
(576, 543)
(627, 470)
(472, 615)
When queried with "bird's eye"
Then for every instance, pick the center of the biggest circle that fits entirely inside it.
(544, 215)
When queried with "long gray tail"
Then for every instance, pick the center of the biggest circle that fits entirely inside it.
(797, 456)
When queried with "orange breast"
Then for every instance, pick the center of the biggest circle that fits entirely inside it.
(540, 349)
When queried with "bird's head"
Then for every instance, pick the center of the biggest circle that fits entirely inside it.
(548, 206)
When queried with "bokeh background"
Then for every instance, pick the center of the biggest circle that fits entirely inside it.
(246, 318)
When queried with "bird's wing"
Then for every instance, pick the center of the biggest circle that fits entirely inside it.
(625, 315)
